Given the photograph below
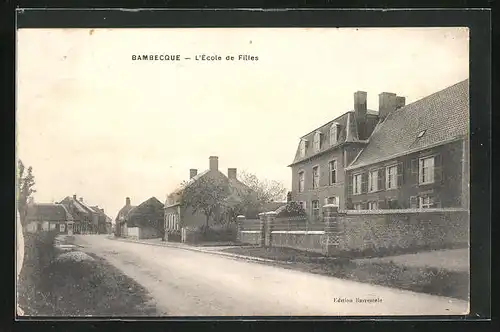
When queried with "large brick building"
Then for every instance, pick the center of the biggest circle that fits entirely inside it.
(318, 175)
(417, 156)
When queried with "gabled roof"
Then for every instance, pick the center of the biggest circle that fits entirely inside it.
(436, 119)
(347, 133)
(122, 214)
(47, 212)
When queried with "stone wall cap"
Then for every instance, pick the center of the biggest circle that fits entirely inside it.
(270, 213)
(240, 216)
(330, 206)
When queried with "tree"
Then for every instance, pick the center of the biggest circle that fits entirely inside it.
(25, 188)
(206, 195)
(262, 191)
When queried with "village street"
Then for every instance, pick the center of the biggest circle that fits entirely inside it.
(189, 283)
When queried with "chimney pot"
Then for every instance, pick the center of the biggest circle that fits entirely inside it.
(387, 102)
(400, 102)
(231, 173)
(192, 172)
(74, 197)
(360, 101)
(127, 201)
(214, 163)
(81, 199)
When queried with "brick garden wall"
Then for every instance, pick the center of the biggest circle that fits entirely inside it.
(386, 230)
(360, 233)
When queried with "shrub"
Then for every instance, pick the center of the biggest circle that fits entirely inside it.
(291, 209)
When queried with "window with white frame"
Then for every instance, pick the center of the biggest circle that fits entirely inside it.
(334, 133)
(333, 172)
(373, 205)
(315, 177)
(426, 202)
(315, 208)
(426, 170)
(317, 141)
(358, 206)
(356, 184)
(373, 181)
(301, 181)
(391, 177)
(303, 148)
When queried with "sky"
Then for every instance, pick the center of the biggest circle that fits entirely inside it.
(95, 123)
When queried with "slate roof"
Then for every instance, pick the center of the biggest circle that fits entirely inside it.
(442, 117)
(48, 212)
(347, 133)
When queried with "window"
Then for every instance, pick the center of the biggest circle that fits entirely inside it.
(333, 134)
(373, 181)
(391, 176)
(333, 172)
(315, 208)
(426, 170)
(62, 227)
(315, 177)
(303, 148)
(303, 205)
(358, 206)
(425, 202)
(52, 226)
(356, 184)
(317, 141)
(331, 200)
(372, 205)
(301, 182)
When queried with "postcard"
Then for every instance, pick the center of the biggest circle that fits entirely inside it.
(222, 172)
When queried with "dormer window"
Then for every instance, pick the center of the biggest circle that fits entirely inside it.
(334, 133)
(303, 148)
(317, 141)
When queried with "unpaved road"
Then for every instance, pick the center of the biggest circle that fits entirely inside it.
(188, 283)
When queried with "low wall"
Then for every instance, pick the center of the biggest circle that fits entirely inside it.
(386, 230)
(133, 232)
(302, 240)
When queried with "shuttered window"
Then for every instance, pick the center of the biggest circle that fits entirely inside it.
(301, 182)
(373, 181)
(315, 177)
(356, 184)
(391, 177)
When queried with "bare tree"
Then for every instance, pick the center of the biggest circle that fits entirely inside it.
(265, 190)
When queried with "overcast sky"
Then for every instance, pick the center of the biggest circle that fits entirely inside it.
(94, 123)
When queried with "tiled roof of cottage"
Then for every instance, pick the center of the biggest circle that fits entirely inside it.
(347, 132)
(437, 119)
(122, 214)
(47, 212)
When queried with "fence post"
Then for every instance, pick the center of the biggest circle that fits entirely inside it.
(332, 229)
(239, 226)
(270, 222)
(263, 221)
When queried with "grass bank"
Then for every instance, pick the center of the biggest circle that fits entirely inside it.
(418, 279)
(82, 288)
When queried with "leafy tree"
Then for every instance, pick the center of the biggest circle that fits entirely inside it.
(25, 188)
(207, 195)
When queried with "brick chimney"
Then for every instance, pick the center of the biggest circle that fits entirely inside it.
(74, 197)
(192, 172)
(231, 173)
(214, 163)
(360, 111)
(387, 102)
(127, 201)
